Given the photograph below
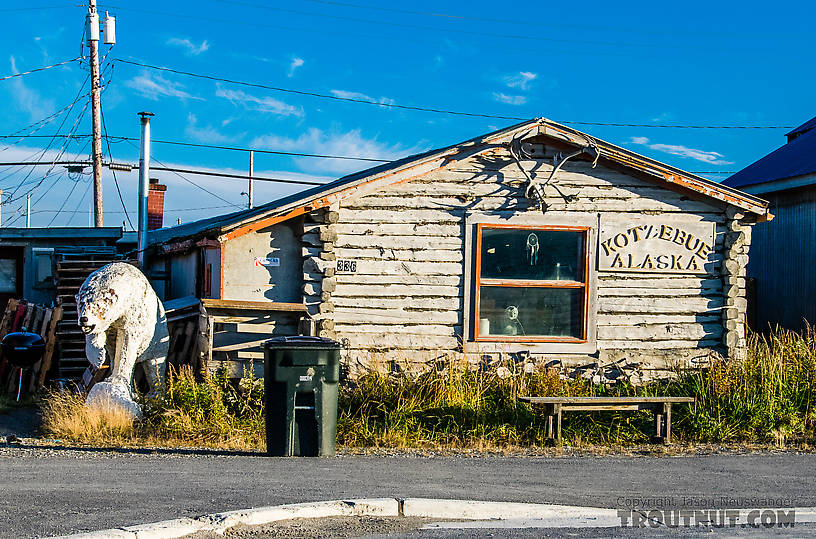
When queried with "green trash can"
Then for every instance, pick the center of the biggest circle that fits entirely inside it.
(300, 386)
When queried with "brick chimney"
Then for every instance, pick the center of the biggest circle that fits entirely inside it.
(155, 204)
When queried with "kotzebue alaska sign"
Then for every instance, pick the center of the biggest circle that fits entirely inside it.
(655, 245)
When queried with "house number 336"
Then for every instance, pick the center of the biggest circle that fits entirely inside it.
(347, 266)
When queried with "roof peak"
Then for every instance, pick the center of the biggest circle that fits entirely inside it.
(802, 129)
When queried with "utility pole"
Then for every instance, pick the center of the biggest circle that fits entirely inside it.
(251, 167)
(144, 179)
(96, 109)
(28, 210)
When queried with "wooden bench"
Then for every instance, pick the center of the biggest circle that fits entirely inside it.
(661, 406)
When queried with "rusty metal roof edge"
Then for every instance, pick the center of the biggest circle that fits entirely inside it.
(730, 195)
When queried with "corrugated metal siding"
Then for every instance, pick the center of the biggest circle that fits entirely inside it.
(782, 258)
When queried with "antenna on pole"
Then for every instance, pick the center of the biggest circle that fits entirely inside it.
(251, 172)
(144, 175)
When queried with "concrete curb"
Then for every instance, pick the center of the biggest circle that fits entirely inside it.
(219, 522)
(547, 515)
(564, 515)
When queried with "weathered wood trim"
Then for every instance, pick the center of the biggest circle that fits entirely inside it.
(252, 305)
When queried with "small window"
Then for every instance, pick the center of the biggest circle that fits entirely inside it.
(531, 283)
(43, 267)
(8, 276)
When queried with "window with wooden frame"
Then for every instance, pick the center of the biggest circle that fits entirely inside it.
(532, 283)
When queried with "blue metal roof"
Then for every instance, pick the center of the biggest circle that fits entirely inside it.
(807, 126)
(796, 158)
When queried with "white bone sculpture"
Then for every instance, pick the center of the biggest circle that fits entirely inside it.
(122, 318)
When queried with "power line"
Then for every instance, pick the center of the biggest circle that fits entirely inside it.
(39, 69)
(64, 146)
(433, 110)
(218, 147)
(236, 176)
(113, 172)
(191, 182)
(271, 152)
(166, 210)
(36, 8)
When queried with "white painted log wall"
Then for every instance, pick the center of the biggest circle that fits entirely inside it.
(407, 295)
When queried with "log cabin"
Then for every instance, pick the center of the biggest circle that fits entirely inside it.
(536, 242)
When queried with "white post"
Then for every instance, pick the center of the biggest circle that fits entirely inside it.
(251, 172)
(28, 210)
(144, 178)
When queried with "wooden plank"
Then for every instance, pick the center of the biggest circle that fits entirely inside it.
(252, 305)
(406, 267)
(43, 332)
(423, 303)
(658, 344)
(249, 346)
(50, 343)
(401, 341)
(181, 303)
(610, 407)
(37, 320)
(18, 317)
(582, 204)
(251, 328)
(390, 230)
(30, 310)
(424, 280)
(661, 331)
(362, 315)
(416, 255)
(696, 305)
(603, 400)
(419, 328)
(605, 319)
(397, 290)
(380, 241)
(604, 291)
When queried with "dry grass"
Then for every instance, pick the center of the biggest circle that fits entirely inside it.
(66, 416)
(766, 398)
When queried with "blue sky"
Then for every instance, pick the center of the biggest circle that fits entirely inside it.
(701, 63)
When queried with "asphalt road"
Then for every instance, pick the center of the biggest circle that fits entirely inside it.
(46, 492)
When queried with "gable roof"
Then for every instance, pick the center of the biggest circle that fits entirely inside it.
(807, 126)
(240, 222)
(796, 158)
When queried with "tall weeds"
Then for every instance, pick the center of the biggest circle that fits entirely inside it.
(766, 397)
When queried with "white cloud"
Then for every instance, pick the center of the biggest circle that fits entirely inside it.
(362, 97)
(712, 158)
(154, 86)
(351, 143)
(262, 104)
(191, 48)
(509, 99)
(27, 99)
(296, 63)
(205, 133)
(521, 80)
